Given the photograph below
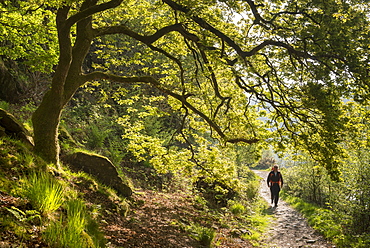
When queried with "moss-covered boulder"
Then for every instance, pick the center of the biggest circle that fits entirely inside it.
(99, 167)
(10, 126)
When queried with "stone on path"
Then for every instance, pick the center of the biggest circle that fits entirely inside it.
(310, 241)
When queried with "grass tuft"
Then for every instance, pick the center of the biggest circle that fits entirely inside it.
(204, 235)
(44, 192)
(237, 209)
(70, 230)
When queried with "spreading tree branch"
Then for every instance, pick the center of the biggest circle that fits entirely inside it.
(91, 10)
(182, 98)
(243, 54)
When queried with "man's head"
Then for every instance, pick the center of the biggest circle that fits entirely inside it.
(276, 167)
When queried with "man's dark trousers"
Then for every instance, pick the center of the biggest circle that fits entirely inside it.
(275, 190)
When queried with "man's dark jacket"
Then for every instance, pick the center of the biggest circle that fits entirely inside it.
(273, 180)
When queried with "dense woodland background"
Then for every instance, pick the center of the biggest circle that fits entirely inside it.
(186, 96)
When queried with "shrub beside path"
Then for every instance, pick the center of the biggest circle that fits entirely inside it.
(288, 229)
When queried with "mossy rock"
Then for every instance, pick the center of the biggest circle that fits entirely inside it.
(99, 167)
(10, 126)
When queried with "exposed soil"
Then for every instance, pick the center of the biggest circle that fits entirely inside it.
(289, 228)
(160, 219)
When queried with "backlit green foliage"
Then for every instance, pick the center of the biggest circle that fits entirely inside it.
(27, 33)
(211, 73)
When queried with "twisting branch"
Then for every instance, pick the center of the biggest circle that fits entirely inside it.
(191, 147)
(92, 10)
(146, 39)
(150, 39)
(257, 16)
(238, 140)
(205, 25)
(243, 54)
(214, 81)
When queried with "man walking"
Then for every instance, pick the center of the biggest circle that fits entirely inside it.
(275, 182)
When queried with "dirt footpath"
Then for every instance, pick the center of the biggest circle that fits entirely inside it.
(289, 229)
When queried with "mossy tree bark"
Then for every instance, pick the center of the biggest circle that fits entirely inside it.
(45, 126)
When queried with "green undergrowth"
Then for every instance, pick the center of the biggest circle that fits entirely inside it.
(259, 221)
(246, 217)
(250, 216)
(328, 223)
(44, 206)
(259, 216)
(244, 220)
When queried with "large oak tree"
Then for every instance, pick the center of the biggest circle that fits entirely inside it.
(222, 60)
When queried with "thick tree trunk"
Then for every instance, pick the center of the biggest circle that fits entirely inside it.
(45, 126)
(65, 82)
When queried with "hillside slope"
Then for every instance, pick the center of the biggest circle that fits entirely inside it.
(147, 219)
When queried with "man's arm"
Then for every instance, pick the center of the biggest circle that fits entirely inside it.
(268, 180)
